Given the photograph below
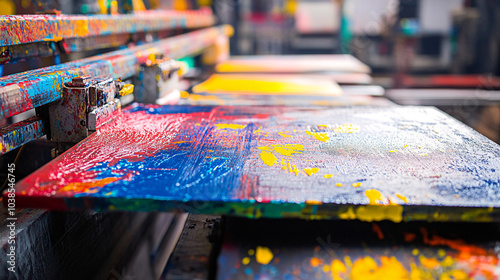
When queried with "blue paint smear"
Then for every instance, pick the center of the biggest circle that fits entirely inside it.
(184, 172)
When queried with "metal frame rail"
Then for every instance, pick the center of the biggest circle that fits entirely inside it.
(28, 90)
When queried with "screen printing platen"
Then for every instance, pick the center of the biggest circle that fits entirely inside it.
(292, 64)
(370, 164)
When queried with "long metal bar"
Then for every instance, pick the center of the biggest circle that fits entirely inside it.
(20, 133)
(22, 29)
(28, 90)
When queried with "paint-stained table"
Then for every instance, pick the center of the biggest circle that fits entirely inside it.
(370, 164)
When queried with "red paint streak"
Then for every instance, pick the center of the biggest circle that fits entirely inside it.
(376, 229)
(458, 245)
(409, 237)
(247, 187)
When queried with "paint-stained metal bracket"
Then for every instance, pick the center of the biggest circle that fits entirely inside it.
(158, 80)
(86, 105)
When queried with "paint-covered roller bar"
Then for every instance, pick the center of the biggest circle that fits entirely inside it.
(20, 133)
(24, 29)
(28, 90)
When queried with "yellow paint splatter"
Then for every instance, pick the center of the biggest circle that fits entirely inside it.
(311, 171)
(367, 269)
(321, 136)
(372, 213)
(339, 184)
(284, 135)
(268, 158)
(356, 185)
(245, 260)
(260, 132)
(326, 268)
(293, 169)
(347, 128)
(374, 196)
(263, 255)
(402, 197)
(328, 176)
(337, 267)
(393, 151)
(283, 164)
(251, 252)
(448, 261)
(441, 253)
(230, 126)
(415, 252)
(348, 215)
(288, 149)
(348, 261)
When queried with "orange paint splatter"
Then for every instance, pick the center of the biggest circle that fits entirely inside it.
(88, 187)
(458, 245)
(315, 262)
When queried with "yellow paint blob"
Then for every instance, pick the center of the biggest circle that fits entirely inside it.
(293, 169)
(326, 268)
(245, 260)
(448, 261)
(441, 253)
(339, 184)
(337, 267)
(356, 185)
(311, 171)
(372, 213)
(348, 215)
(288, 149)
(367, 269)
(284, 135)
(415, 252)
(251, 252)
(268, 158)
(321, 136)
(393, 151)
(347, 128)
(374, 196)
(263, 255)
(229, 125)
(402, 197)
(328, 176)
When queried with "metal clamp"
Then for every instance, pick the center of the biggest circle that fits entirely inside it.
(84, 107)
(157, 80)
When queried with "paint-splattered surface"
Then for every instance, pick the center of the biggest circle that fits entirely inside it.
(292, 64)
(204, 99)
(397, 163)
(22, 29)
(290, 249)
(268, 85)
